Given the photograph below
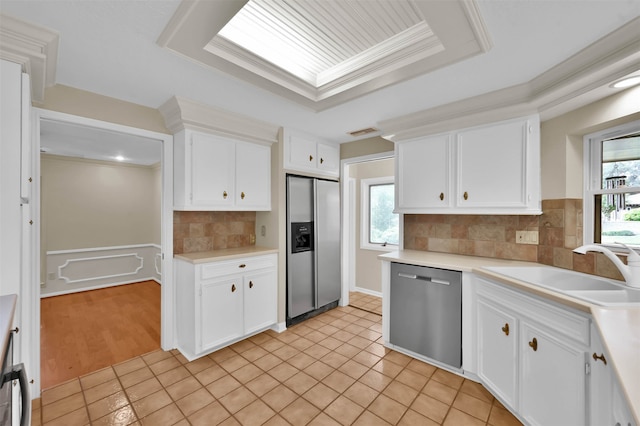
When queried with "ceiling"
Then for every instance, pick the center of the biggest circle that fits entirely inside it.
(320, 54)
(115, 48)
(71, 140)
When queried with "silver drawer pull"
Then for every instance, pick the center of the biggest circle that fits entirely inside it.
(419, 277)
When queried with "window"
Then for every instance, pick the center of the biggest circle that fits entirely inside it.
(612, 186)
(380, 226)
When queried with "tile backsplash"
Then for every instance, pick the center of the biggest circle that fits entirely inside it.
(203, 231)
(559, 227)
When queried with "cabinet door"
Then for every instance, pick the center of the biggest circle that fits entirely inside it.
(497, 350)
(302, 152)
(260, 300)
(221, 318)
(423, 173)
(492, 166)
(253, 177)
(552, 379)
(212, 161)
(328, 159)
(601, 384)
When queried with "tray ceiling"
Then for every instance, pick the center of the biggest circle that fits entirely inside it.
(325, 53)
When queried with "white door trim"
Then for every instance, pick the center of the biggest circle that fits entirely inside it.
(167, 321)
(349, 244)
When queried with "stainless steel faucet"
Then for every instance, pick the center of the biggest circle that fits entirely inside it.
(630, 271)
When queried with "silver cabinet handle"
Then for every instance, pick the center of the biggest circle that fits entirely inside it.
(419, 277)
(411, 277)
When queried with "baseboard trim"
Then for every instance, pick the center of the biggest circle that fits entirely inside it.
(61, 293)
(367, 291)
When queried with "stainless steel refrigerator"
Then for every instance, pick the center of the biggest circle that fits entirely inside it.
(313, 247)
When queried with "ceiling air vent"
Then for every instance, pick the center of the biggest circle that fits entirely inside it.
(361, 132)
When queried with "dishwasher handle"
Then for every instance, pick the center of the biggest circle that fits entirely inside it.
(423, 278)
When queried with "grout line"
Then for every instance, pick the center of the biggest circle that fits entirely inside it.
(339, 320)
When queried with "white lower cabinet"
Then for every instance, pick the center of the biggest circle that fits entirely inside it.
(607, 405)
(552, 378)
(543, 361)
(531, 355)
(221, 302)
(221, 313)
(498, 350)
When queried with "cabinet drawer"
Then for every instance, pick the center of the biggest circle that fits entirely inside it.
(562, 321)
(240, 265)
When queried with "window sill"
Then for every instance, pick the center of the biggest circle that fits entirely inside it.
(378, 247)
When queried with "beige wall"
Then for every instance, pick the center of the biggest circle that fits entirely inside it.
(89, 203)
(368, 267)
(562, 141)
(91, 105)
(365, 147)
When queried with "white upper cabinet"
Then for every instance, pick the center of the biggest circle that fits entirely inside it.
(222, 160)
(208, 169)
(217, 173)
(253, 176)
(308, 154)
(424, 174)
(490, 169)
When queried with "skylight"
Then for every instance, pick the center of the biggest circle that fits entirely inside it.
(321, 41)
(322, 53)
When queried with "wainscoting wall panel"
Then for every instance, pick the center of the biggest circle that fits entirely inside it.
(70, 271)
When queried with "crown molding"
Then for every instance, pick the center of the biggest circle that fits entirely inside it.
(180, 114)
(458, 32)
(577, 81)
(34, 48)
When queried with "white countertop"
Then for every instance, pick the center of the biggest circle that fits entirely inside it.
(224, 254)
(7, 310)
(454, 262)
(619, 326)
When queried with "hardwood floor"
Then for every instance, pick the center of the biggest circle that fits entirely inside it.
(84, 332)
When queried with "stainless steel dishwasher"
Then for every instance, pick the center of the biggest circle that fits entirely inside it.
(426, 312)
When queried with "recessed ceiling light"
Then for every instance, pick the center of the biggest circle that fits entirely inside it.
(119, 158)
(626, 82)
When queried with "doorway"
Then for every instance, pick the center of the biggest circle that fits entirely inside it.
(361, 273)
(86, 271)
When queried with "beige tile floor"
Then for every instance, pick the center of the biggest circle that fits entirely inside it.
(366, 302)
(329, 370)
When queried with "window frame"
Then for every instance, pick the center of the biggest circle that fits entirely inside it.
(592, 178)
(365, 184)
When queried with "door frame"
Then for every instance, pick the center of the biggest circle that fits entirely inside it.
(167, 292)
(349, 243)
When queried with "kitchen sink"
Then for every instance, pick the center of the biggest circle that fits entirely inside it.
(596, 290)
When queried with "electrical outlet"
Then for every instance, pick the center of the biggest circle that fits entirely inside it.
(252, 239)
(527, 237)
